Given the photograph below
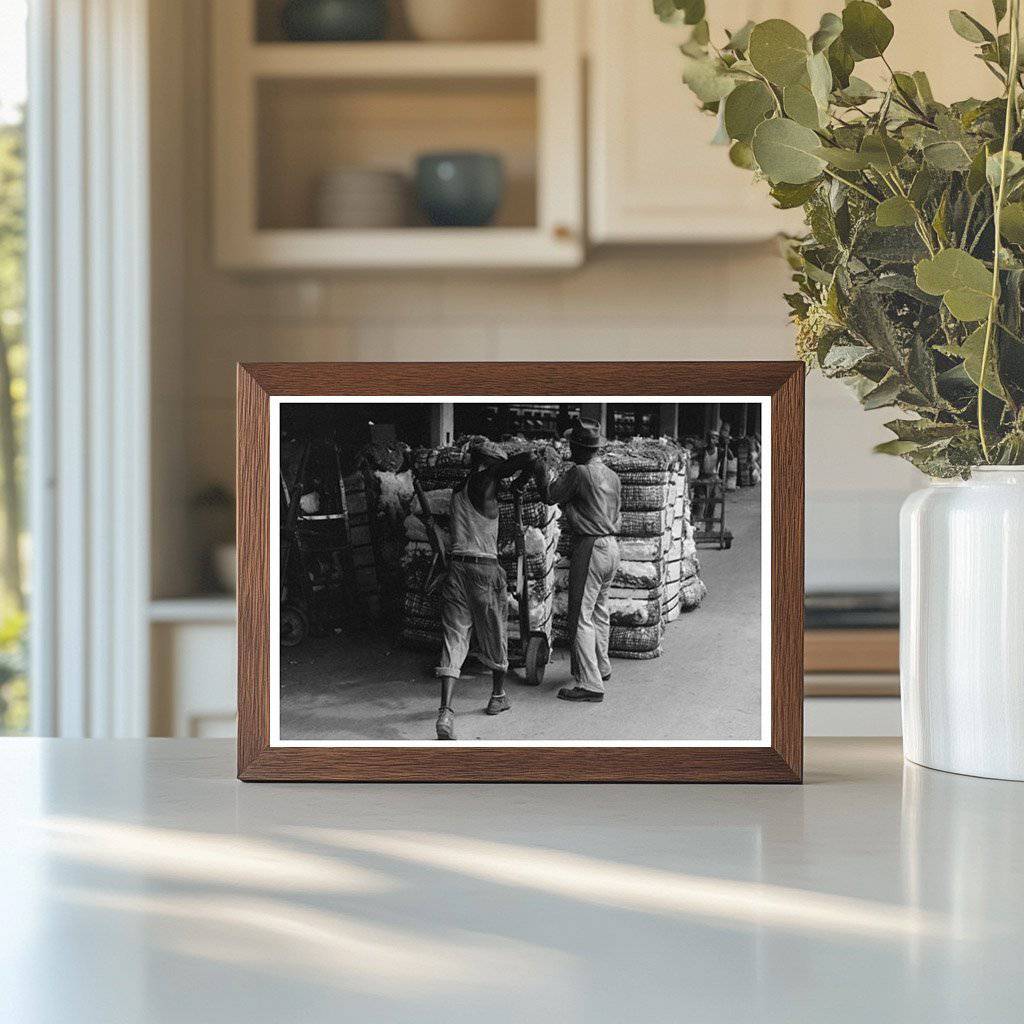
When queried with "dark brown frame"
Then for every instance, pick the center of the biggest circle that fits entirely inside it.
(782, 761)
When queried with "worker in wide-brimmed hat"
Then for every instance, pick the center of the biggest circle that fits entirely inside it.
(475, 593)
(590, 495)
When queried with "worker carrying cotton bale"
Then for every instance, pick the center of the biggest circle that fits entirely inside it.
(475, 592)
(590, 495)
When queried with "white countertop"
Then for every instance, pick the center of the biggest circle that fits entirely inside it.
(140, 882)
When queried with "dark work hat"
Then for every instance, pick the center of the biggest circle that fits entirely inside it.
(585, 433)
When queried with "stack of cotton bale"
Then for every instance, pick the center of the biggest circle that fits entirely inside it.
(439, 471)
(377, 495)
(638, 590)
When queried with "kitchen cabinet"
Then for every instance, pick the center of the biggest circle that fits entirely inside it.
(653, 175)
(288, 114)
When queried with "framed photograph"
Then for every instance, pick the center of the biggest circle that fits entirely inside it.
(520, 572)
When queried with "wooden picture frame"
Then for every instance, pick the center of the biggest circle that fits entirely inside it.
(780, 759)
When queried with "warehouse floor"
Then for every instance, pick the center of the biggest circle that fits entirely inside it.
(706, 686)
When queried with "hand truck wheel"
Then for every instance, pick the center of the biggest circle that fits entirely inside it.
(294, 625)
(536, 659)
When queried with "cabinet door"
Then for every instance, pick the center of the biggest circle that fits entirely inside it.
(654, 177)
(653, 174)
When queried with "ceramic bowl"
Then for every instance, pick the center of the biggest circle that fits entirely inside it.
(359, 197)
(332, 21)
(459, 189)
(470, 20)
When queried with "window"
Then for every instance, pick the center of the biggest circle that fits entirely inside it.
(14, 691)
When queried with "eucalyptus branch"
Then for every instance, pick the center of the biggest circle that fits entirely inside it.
(909, 100)
(774, 95)
(1011, 109)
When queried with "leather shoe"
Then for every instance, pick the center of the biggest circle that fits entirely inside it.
(446, 724)
(578, 694)
(499, 702)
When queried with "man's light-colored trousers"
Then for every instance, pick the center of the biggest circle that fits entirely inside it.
(590, 648)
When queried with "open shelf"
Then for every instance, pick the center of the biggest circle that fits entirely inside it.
(309, 127)
(520, 22)
(393, 60)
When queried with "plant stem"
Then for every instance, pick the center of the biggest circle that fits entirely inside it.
(853, 185)
(1011, 108)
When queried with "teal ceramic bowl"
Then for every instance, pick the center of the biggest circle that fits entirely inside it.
(334, 21)
(461, 190)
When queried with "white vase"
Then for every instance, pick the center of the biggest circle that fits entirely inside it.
(962, 624)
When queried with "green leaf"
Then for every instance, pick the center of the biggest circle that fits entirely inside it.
(866, 29)
(844, 159)
(707, 78)
(922, 430)
(890, 245)
(721, 136)
(947, 156)
(885, 394)
(829, 30)
(939, 220)
(857, 91)
(745, 108)
(741, 155)
(819, 74)
(840, 61)
(868, 319)
(895, 212)
(787, 151)
(801, 106)
(895, 447)
(905, 84)
(922, 185)
(993, 167)
(701, 34)
(1012, 224)
(971, 352)
(921, 370)
(666, 10)
(739, 41)
(882, 151)
(999, 9)
(788, 196)
(689, 12)
(779, 51)
(924, 88)
(969, 28)
(693, 10)
(976, 174)
(963, 281)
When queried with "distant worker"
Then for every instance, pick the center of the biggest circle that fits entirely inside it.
(475, 593)
(589, 493)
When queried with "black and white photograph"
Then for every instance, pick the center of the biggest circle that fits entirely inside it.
(516, 571)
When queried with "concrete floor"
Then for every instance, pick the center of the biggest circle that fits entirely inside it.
(706, 686)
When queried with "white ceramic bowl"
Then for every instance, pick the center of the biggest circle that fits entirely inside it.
(359, 197)
(470, 20)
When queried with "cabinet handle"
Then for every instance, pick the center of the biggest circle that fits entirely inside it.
(562, 232)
